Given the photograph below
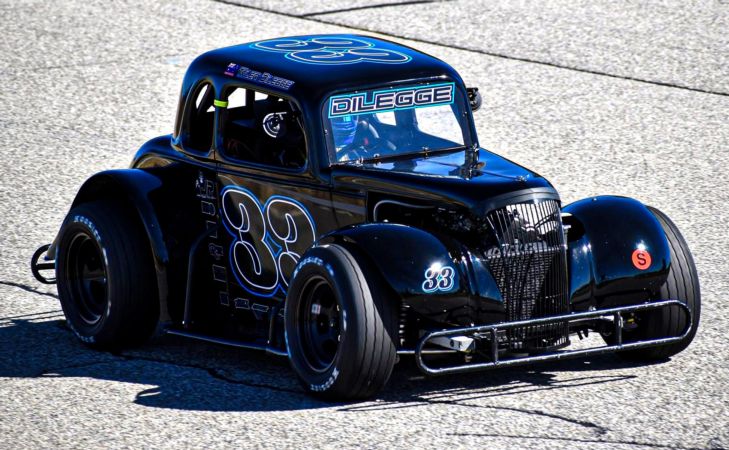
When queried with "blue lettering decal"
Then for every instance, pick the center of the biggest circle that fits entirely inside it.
(387, 100)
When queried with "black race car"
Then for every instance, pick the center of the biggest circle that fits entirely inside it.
(325, 198)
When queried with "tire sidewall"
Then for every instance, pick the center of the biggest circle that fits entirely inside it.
(343, 281)
(682, 267)
(668, 322)
(80, 222)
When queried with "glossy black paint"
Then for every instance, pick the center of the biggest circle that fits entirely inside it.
(402, 254)
(137, 186)
(179, 192)
(134, 188)
(605, 232)
(313, 84)
(450, 178)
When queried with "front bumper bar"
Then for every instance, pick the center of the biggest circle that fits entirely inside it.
(490, 333)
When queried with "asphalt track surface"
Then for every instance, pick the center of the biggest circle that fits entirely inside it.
(599, 97)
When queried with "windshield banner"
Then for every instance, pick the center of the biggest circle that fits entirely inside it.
(385, 100)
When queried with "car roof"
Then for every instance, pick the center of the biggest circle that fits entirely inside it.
(314, 66)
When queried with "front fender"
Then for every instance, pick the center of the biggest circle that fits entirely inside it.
(608, 240)
(416, 266)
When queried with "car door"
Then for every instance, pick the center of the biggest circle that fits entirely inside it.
(190, 202)
(271, 207)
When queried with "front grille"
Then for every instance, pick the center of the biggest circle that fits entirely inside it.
(528, 261)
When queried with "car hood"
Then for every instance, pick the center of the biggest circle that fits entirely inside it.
(477, 182)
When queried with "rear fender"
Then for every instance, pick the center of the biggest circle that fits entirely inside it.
(609, 242)
(135, 187)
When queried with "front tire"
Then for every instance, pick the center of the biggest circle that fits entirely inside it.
(682, 284)
(106, 279)
(340, 326)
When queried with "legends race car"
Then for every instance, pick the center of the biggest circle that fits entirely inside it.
(325, 198)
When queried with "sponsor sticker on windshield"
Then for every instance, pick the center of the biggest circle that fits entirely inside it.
(386, 100)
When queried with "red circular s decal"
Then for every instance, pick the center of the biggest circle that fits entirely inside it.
(641, 259)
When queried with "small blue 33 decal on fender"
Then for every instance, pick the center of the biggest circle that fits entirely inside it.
(439, 278)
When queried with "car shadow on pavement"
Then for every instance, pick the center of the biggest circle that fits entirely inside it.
(180, 373)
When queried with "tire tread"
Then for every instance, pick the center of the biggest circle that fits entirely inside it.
(681, 284)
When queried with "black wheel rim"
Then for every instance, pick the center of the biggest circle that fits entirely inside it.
(87, 278)
(320, 324)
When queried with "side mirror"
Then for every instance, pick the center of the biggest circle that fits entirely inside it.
(474, 98)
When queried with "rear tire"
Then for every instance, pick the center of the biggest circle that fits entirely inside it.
(106, 279)
(682, 284)
(341, 326)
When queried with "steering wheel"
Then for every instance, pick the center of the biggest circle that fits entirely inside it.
(350, 153)
(366, 144)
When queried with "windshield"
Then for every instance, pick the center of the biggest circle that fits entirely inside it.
(384, 123)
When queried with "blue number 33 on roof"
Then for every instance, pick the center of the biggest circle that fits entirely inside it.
(332, 50)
